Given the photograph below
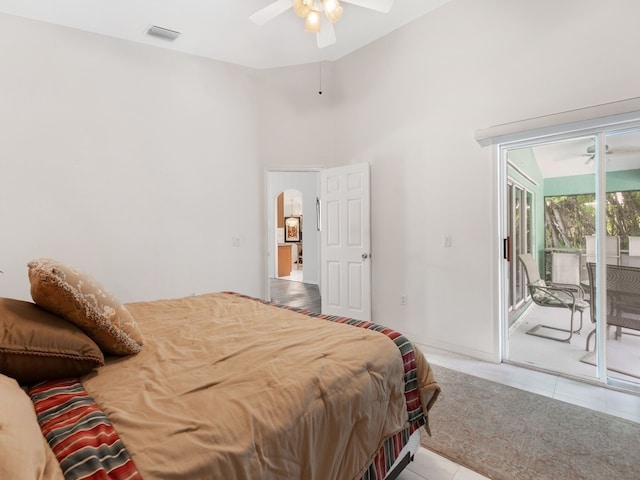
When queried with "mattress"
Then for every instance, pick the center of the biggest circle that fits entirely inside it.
(229, 386)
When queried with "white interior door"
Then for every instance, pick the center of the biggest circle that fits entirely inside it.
(345, 277)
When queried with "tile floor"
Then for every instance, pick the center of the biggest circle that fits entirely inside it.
(427, 465)
(623, 354)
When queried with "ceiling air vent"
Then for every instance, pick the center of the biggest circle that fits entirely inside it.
(164, 33)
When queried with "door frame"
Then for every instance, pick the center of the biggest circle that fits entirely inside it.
(269, 220)
(590, 119)
(599, 132)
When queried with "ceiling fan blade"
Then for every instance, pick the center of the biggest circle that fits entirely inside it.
(271, 11)
(383, 6)
(625, 150)
(327, 35)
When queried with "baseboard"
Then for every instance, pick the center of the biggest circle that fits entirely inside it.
(491, 357)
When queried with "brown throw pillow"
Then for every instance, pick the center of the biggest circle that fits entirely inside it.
(36, 345)
(83, 301)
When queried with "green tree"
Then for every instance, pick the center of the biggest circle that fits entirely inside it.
(568, 219)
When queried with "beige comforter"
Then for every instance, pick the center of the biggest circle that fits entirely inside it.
(230, 388)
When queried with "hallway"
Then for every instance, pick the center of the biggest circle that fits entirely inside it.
(295, 294)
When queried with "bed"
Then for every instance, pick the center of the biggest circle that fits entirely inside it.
(219, 385)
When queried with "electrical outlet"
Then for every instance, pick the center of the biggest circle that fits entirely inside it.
(235, 241)
(403, 299)
(446, 241)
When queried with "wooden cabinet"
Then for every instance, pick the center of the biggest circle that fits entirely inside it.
(280, 210)
(284, 260)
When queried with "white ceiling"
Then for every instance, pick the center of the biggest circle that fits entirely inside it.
(571, 157)
(221, 29)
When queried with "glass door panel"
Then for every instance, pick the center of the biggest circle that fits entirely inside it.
(619, 343)
(519, 230)
(529, 222)
(516, 243)
(511, 282)
(552, 217)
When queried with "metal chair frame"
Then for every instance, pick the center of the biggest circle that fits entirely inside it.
(566, 296)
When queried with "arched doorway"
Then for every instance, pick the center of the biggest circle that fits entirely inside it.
(288, 236)
(300, 191)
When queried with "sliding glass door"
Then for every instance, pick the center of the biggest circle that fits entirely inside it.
(572, 202)
(618, 343)
(551, 187)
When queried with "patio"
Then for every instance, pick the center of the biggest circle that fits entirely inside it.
(569, 358)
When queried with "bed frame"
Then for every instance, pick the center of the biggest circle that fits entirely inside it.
(406, 456)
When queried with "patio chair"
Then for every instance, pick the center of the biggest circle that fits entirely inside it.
(623, 298)
(553, 295)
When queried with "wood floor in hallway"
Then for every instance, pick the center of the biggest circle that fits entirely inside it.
(295, 294)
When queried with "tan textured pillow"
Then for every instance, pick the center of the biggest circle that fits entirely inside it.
(36, 345)
(25, 452)
(83, 301)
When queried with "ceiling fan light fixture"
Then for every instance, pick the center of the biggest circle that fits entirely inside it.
(312, 22)
(319, 15)
(333, 10)
(302, 7)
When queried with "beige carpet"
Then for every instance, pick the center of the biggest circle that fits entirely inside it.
(506, 433)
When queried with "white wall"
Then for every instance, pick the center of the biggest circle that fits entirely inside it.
(297, 126)
(133, 163)
(410, 103)
(109, 132)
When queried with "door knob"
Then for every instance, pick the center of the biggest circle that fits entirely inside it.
(365, 256)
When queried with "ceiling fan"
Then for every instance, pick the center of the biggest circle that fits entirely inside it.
(319, 15)
(618, 150)
(591, 152)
